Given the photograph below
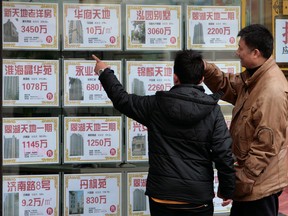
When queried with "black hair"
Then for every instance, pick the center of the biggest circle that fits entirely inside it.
(257, 36)
(189, 66)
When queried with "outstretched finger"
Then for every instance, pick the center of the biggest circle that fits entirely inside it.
(96, 58)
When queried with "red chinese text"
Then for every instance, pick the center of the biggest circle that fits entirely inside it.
(139, 182)
(138, 127)
(102, 199)
(154, 71)
(213, 15)
(92, 14)
(29, 13)
(84, 71)
(29, 185)
(27, 128)
(92, 183)
(153, 15)
(105, 126)
(230, 70)
(285, 34)
(285, 41)
(28, 69)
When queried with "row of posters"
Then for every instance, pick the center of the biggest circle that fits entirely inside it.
(99, 26)
(85, 140)
(148, 27)
(30, 83)
(83, 194)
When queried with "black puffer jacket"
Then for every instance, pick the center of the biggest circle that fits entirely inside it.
(186, 132)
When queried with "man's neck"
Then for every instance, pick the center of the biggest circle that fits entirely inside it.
(256, 66)
(251, 71)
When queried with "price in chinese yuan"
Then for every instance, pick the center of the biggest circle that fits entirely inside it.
(219, 31)
(94, 87)
(41, 86)
(35, 144)
(159, 87)
(100, 30)
(99, 142)
(34, 29)
(97, 200)
(37, 201)
(159, 31)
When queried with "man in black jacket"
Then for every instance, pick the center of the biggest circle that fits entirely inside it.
(186, 134)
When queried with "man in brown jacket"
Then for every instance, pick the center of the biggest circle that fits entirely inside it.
(259, 123)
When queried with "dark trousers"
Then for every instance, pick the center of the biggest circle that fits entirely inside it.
(267, 206)
(160, 209)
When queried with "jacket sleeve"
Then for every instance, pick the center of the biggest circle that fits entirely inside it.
(228, 83)
(223, 157)
(131, 105)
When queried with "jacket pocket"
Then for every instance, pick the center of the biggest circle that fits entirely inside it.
(244, 185)
(241, 149)
(243, 136)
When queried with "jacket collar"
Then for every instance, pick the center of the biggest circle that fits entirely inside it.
(251, 80)
(198, 87)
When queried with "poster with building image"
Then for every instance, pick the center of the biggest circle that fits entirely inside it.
(30, 25)
(212, 27)
(92, 27)
(92, 194)
(281, 40)
(147, 77)
(30, 82)
(82, 86)
(232, 67)
(137, 201)
(30, 140)
(136, 141)
(92, 139)
(31, 195)
(153, 27)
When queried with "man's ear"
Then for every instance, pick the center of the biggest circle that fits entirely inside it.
(201, 80)
(257, 52)
(176, 79)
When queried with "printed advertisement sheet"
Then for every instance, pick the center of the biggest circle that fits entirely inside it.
(92, 27)
(92, 139)
(82, 87)
(31, 195)
(153, 27)
(30, 25)
(212, 27)
(92, 194)
(30, 140)
(30, 82)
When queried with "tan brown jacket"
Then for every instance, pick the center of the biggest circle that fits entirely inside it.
(259, 127)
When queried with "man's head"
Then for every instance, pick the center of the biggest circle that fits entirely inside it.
(255, 45)
(188, 67)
